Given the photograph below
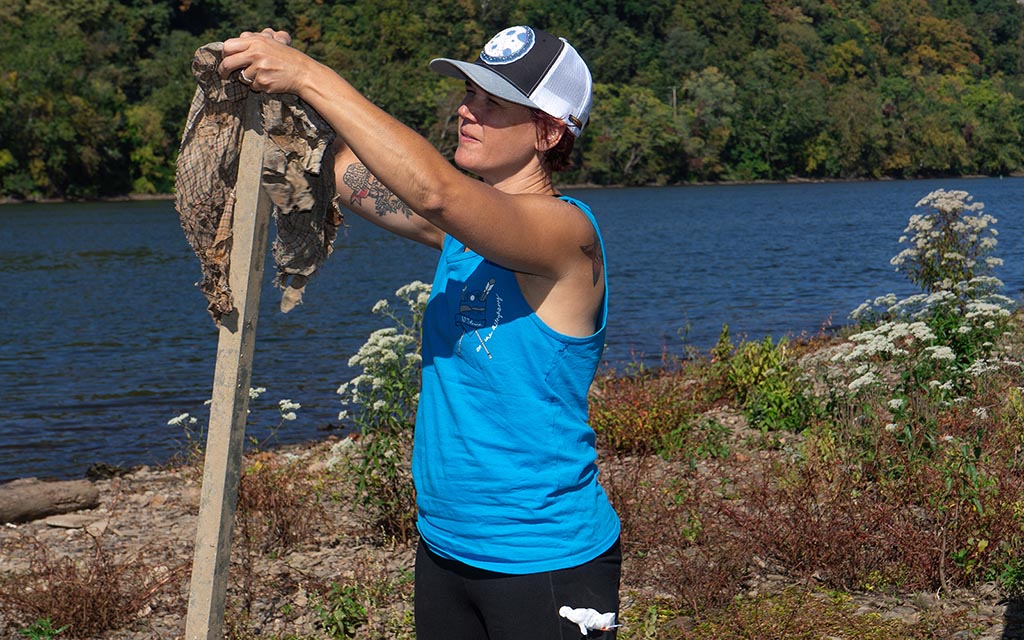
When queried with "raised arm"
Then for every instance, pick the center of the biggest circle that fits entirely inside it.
(512, 221)
(363, 193)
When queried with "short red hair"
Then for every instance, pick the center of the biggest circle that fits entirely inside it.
(558, 157)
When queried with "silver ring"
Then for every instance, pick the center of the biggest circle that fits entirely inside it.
(243, 79)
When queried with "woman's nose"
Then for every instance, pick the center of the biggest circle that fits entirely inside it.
(465, 112)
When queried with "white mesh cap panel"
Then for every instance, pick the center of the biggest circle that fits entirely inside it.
(566, 90)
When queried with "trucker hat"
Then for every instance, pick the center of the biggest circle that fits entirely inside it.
(533, 68)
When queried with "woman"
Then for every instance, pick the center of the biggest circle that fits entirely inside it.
(514, 525)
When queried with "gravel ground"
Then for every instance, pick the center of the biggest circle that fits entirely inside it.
(149, 515)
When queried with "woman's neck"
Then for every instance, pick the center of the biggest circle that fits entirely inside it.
(535, 181)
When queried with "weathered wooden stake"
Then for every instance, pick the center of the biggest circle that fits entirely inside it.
(232, 376)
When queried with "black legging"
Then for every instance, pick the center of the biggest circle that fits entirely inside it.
(457, 602)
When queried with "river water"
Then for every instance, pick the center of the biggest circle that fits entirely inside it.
(104, 337)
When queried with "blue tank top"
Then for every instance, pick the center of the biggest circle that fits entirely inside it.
(504, 458)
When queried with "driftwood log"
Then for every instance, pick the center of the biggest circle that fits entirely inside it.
(31, 499)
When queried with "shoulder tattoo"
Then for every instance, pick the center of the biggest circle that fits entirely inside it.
(593, 251)
(364, 185)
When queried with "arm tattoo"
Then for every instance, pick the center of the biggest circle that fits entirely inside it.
(593, 251)
(364, 185)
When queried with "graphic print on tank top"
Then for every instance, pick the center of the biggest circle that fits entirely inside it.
(479, 316)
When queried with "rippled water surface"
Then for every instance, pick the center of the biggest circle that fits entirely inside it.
(105, 337)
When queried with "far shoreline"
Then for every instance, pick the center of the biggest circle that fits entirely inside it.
(155, 197)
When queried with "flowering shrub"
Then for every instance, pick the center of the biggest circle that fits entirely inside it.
(911, 392)
(381, 401)
(950, 244)
(918, 357)
(900, 354)
(383, 397)
(960, 315)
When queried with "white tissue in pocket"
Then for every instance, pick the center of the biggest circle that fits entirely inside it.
(589, 619)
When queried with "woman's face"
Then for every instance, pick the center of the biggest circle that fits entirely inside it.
(497, 138)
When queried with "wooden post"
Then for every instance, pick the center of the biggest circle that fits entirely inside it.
(232, 376)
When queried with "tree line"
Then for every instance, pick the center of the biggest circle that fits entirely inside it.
(94, 93)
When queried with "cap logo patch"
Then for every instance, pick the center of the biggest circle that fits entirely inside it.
(508, 46)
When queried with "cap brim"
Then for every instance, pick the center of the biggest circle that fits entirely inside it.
(483, 77)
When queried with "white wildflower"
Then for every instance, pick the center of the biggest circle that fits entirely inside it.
(407, 290)
(343, 444)
(977, 308)
(866, 379)
(940, 385)
(861, 310)
(841, 352)
(980, 367)
(941, 352)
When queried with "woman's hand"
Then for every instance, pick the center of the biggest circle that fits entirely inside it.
(266, 62)
(281, 36)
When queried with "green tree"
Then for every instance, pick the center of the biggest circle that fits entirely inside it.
(992, 127)
(708, 110)
(781, 113)
(853, 143)
(846, 62)
(62, 122)
(937, 136)
(732, 27)
(383, 49)
(632, 137)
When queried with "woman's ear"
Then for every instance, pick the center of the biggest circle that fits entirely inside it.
(548, 134)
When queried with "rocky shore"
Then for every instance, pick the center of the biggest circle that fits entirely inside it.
(147, 517)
